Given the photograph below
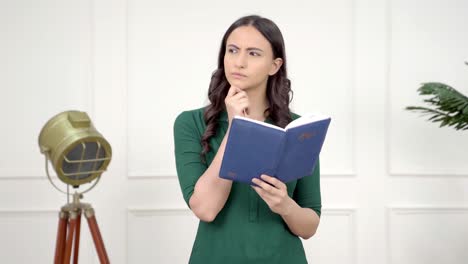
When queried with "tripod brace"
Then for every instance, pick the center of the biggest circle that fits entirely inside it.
(70, 216)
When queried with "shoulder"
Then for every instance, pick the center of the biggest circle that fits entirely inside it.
(190, 114)
(294, 116)
(189, 119)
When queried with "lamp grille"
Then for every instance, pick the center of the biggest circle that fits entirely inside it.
(84, 160)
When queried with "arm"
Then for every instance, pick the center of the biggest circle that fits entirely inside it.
(204, 191)
(302, 222)
(211, 192)
(302, 212)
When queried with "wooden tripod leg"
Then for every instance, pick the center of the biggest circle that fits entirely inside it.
(61, 234)
(76, 248)
(98, 242)
(70, 236)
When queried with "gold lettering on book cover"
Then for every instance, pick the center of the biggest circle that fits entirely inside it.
(306, 135)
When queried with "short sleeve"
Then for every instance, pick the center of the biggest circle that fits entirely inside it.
(187, 148)
(307, 191)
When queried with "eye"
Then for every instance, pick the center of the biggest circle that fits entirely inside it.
(231, 50)
(254, 53)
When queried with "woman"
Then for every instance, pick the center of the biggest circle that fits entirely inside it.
(240, 223)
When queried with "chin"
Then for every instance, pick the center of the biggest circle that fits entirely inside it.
(238, 84)
(243, 87)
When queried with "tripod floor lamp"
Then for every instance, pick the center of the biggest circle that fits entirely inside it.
(79, 155)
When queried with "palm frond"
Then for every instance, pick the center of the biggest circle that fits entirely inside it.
(451, 106)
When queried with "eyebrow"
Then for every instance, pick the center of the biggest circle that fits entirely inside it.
(249, 49)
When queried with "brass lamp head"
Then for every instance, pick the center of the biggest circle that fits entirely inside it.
(77, 151)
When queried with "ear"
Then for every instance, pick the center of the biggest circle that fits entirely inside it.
(275, 66)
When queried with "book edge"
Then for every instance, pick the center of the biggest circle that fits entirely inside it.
(305, 120)
(259, 122)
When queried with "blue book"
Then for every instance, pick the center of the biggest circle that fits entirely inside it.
(254, 148)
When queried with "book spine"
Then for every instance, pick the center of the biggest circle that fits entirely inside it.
(279, 155)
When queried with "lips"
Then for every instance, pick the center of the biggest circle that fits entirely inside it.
(238, 75)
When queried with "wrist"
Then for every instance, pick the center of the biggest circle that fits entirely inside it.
(289, 207)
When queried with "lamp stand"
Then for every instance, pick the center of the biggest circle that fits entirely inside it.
(70, 216)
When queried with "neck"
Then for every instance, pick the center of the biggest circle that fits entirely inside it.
(258, 103)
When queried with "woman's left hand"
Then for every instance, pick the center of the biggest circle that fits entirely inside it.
(274, 193)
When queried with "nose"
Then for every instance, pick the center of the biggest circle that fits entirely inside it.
(241, 60)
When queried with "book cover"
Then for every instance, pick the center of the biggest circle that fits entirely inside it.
(254, 148)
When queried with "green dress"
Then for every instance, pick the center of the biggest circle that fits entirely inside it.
(245, 230)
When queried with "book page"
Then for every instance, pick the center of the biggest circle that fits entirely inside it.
(259, 122)
(306, 119)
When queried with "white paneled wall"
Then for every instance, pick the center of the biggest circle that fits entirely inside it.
(427, 46)
(47, 66)
(393, 185)
(441, 239)
(171, 231)
(337, 231)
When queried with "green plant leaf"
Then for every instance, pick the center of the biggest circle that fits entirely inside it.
(451, 106)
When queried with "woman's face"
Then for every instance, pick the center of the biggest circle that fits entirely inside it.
(248, 60)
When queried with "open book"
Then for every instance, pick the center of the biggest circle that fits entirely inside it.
(254, 148)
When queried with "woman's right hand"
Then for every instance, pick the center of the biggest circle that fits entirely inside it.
(236, 102)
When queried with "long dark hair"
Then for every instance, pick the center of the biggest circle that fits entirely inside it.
(278, 85)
